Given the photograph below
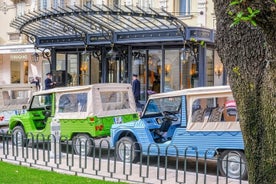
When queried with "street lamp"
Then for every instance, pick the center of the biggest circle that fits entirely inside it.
(35, 57)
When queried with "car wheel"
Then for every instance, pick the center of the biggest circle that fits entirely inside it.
(127, 150)
(19, 136)
(82, 144)
(233, 164)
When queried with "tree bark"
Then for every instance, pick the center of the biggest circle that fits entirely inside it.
(248, 55)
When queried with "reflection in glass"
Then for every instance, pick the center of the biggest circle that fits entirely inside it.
(15, 72)
(84, 69)
(72, 68)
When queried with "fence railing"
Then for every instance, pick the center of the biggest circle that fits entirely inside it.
(103, 163)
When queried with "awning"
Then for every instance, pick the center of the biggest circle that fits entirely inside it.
(99, 24)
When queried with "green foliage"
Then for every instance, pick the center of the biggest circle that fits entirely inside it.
(235, 2)
(19, 174)
(243, 16)
(236, 70)
(193, 39)
(201, 43)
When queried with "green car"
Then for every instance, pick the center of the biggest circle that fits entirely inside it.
(84, 113)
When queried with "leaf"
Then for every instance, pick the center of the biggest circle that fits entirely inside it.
(193, 40)
(245, 18)
(236, 2)
(240, 14)
(253, 23)
(234, 23)
(256, 12)
(237, 70)
(202, 43)
(249, 10)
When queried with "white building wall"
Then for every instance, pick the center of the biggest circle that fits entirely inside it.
(207, 19)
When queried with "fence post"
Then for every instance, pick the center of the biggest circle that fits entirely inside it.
(55, 138)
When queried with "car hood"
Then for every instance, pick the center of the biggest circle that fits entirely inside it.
(130, 124)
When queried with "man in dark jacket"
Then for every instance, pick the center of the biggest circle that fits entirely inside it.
(48, 82)
(48, 85)
(136, 89)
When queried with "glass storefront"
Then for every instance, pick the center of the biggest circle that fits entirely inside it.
(19, 71)
(85, 69)
(81, 68)
(176, 71)
(72, 68)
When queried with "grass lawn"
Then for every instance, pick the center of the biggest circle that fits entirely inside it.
(10, 173)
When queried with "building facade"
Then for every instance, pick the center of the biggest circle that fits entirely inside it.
(169, 48)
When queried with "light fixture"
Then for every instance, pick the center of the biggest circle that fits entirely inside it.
(84, 67)
(193, 70)
(138, 58)
(218, 70)
(85, 51)
(35, 57)
(112, 53)
(167, 69)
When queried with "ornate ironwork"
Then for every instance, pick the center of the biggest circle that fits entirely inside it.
(100, 24)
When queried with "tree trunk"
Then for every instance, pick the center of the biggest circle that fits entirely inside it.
(250, 64)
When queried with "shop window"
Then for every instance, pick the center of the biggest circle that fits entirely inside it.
(172, 70)
(98, 2)
(189, 69)
(154, 71)
(145, 3)
(129, 2)
(209, 67)
(20, 8)
(72, 68)
(84, 69)
(55, 3)
(43, 4)
(163, 4)
(14, 36)
(15, 71)
(184, 7)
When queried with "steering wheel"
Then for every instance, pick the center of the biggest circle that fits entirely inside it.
(171, 116)
(47, 107)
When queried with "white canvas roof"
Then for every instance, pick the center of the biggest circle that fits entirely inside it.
(203, 92)
(194, 91)
(96, 105)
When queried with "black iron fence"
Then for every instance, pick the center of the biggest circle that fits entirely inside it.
(103, 163)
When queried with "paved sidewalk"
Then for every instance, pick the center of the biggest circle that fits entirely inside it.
(105, 169)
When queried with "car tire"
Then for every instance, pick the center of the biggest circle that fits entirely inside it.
(128, 150)
(236, 167)
(79, 143)
(19, 136)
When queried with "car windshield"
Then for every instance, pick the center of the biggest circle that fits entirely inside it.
(41, 101)
(155, 107)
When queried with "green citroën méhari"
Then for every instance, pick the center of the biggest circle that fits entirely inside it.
(84, 113)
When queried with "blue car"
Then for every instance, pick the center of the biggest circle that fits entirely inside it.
(199, 122)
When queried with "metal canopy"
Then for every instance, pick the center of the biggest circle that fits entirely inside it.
(99, 24)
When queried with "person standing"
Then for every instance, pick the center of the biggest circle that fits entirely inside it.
(49, 84)
(36, 81)
(156, 84)
(48, 81)
(136, 89)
